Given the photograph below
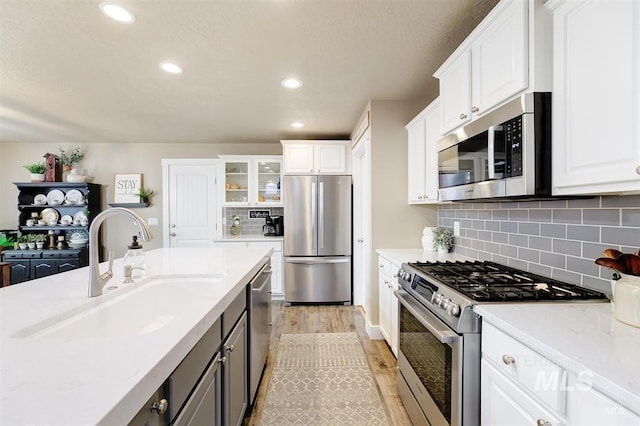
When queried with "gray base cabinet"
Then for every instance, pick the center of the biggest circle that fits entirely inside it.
(235, 373)
(31, 264)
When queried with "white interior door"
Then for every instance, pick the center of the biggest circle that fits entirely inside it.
(190, 202)
(361, 221)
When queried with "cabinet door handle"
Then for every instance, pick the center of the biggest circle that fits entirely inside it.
(419, 197)
(223, 360)
(360, 240)
(542, 422)
(463, 116)
(173, 234)
(160, 407)
(508, 359)
(229, 348)
(475, 109)
(638, 170)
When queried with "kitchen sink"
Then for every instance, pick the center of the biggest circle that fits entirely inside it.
(140, 309)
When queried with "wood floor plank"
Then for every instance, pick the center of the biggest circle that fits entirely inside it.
(334, 319)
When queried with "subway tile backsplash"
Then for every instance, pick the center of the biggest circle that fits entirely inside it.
(555, 238)
(248, 226)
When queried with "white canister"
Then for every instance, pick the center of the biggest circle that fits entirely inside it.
(627, 300)
(427, 239)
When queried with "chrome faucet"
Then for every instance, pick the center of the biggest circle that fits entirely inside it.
(97, 280)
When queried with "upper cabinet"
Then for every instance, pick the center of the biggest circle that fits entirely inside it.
(422, 134)
(596, 96)
(251, 180)
(317, 157)
(508, 53)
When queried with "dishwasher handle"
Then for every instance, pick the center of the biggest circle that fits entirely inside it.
(261, 279)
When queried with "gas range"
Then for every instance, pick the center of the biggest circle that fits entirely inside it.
(450, 289)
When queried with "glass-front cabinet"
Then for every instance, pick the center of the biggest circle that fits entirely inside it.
(252, 180)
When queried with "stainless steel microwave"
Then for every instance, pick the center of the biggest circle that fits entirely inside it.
(503, 154)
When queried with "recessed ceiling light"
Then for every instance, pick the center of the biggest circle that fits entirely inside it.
(291, 83)
(118, 13)
(171, 68)
(297, 125)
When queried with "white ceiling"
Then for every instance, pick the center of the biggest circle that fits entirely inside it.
(69, 74)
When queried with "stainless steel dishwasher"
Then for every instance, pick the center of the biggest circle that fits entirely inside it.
(260, 326)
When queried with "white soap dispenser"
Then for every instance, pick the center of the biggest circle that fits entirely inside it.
(134, 258)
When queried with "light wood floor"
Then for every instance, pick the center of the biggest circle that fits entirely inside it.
(334, 319)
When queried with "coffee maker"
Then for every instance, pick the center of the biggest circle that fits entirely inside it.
(273, 226)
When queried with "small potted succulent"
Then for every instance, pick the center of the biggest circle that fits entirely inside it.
(40, 240)
(145, 194)
(22, 242)
(443, 239)
(37, 171)
(31, 241)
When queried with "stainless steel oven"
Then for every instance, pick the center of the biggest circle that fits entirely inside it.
(431, 362)
(440, 333)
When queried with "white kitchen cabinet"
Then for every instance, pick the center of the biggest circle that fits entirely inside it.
(277, 279)
(509, 52)
(317, 157)
(504, 403)
(587, 406)
(521, 386)
(596, 96)
(251, 180)
(422, 133)
(388, 302)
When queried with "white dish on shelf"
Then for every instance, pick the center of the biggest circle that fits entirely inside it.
(55, 197)
(40, 199)
(74, 197)
(67, 218)
(75, 244)
(81, 216)
(50, 215)
(79, 236)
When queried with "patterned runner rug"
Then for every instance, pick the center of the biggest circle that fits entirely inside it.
(322, 379)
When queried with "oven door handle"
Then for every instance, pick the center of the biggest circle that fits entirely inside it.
(436, 327)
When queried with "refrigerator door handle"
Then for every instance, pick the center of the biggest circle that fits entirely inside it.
(321, 215)
(319, 260)
(314, 207)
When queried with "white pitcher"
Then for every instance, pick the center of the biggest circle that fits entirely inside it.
(427, 239)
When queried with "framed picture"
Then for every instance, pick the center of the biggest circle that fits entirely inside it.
(126, 187)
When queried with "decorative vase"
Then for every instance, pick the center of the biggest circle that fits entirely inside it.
(627, 299)
(37, 177)
(74, 176)
(427, 239)
(442, 250)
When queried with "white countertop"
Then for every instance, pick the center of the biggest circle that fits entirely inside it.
(249, 237)
(580, 337)
(81, 381)
(399, 256)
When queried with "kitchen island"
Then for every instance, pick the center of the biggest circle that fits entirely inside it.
(107, 377)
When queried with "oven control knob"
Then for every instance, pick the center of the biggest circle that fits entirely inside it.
(444, 303)
(453, 309)
(436, 298)
(406, 276)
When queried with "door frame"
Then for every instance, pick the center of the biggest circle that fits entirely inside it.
(361, 156)
(166, 188)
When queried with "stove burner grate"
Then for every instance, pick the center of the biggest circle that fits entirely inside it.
(492, 282)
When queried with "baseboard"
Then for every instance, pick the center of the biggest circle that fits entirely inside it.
(373, 331)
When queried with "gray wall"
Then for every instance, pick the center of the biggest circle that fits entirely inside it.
(558, 239)
(247, 226)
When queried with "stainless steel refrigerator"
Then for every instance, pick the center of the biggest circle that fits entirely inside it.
(317, 239)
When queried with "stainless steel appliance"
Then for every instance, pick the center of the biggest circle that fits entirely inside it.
(317, 244)
(440, 334)
(260, 321)
(506, 153)
(268, 228)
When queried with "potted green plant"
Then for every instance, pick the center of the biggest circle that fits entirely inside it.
(37, 171)
(70, 160)
(22, 242)
(31, 241)
(145, 194)
(6, 242)
(443, 239)
(40, 240)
